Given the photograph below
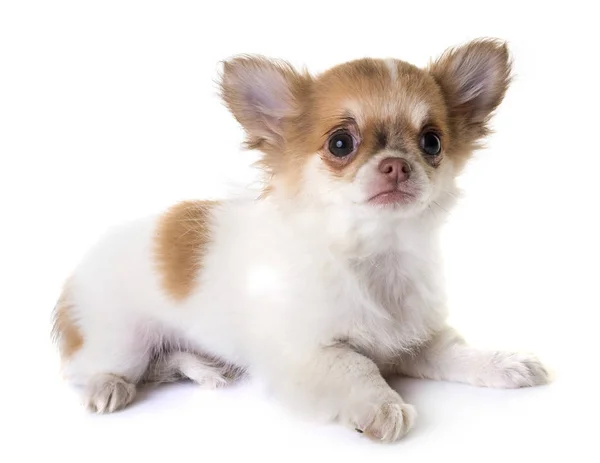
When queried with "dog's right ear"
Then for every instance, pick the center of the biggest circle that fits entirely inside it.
(474, 79)
(262, 94)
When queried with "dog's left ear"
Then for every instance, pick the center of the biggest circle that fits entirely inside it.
(474, 79)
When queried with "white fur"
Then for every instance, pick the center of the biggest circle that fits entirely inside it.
(418, 114)
(392, 65)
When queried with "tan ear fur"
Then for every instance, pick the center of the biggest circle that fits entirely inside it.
(474, 79)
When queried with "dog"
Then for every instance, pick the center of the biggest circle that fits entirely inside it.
(328, 281)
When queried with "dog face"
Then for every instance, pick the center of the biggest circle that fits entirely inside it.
(375, 135)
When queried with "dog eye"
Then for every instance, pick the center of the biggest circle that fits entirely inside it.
(431, 144)
(341, 144)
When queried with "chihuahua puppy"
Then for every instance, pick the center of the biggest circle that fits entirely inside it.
(327, 282)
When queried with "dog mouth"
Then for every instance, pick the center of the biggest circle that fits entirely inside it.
(393, 196)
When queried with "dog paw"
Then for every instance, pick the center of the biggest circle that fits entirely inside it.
(384, 420)
(511, 370)
(109, 393)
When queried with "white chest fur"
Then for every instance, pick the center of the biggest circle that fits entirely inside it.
(383, 281)
(395, 301)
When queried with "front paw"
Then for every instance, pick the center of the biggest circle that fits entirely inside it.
(385, 418)
(511, 370)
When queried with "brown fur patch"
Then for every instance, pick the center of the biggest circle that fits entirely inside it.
(379, 106)
(182, 236)
(64, 330)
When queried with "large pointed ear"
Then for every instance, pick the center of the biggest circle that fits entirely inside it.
(474, 79)
(262, 94)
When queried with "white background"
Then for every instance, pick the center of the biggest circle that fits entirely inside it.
(108, 111)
